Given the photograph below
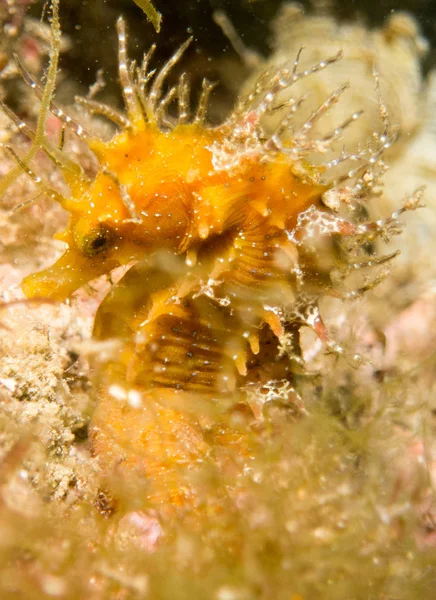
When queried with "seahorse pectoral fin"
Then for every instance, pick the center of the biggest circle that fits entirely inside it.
(130, 300)
(67, 275)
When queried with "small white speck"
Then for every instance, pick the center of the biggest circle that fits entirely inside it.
(117, 392)
(134, 398)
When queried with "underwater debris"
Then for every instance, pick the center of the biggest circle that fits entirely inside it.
(234, 236)
(152, 14)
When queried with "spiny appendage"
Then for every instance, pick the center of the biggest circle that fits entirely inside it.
(314, 227)
(317, 227)
(143, 91)
(142, 105)
(246, 137)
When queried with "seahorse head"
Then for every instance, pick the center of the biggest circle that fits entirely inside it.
(169, 183)
(140, 201)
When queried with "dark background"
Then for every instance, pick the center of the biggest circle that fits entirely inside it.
(91, 26)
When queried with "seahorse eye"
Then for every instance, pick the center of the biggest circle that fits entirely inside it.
(97, 241)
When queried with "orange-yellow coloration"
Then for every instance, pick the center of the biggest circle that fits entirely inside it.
(230, 247)
(231, 229)
(180, 201)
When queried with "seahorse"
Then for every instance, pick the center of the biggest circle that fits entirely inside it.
(231, 235)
